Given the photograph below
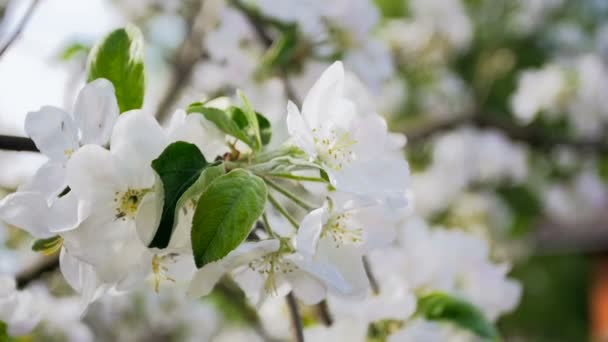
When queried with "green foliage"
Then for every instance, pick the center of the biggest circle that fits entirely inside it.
(442, 307)
(525, 206)
(48, 246)
(280, 55)
(244, 124)
(178, 168)
(73, 49)
(554, 305)
(252, 121)
(238, 116)
(602, 168)
(4, 332)
(225, 214)
(118, 57)
(223, 122)
(393, 8)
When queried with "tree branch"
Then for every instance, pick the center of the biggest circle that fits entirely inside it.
(186, 56)
(296, 320)
(26, 18)
(373, 283)
(46, 265)
(525, 134)
(12, 143)
(257, 22)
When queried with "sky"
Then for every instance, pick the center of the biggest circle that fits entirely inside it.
(31, 75)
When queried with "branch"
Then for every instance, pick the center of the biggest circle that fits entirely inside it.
(46, 265)
(526, 134)
(257, 22)
(296, 320)
(373, 283)
(26, 18)
(186, 56)
(12, 143)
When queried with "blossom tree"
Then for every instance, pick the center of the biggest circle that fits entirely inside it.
(356, 170)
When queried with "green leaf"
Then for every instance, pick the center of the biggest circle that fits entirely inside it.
(280, 55)
(48, 246)
(252, 120)
(72, 50)
(207, 176)
(223, 122)
(225, 214)
(178, 168)
(4, 332)
(119, 58)
(525, 206)
(239, 117)
(442, 307)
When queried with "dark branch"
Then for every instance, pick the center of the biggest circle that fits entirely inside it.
(12, 143)
(324, 313)
(525, 134)
(373, 283)
(257, 22)
(183, 61)
(26, 18)
(296, 320)
(46, 265)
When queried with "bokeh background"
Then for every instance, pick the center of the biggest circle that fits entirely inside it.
(504, 103)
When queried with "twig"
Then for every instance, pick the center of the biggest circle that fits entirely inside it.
(12, 143)
(373, 283)
(296, 320)
(283, 211)
(186, 56)
(26, 18)
(324, 313)
(303, 204)
(526, 134)
(46, 265)
(257, 22)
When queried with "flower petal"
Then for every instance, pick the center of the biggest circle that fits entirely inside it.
(53, 131)
(95, 112)
(329, 87)
(309, 232)
(137, 139)
(385, 177)
(300, 131)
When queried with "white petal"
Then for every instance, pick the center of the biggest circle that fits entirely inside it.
(137, 139)
(50, 179)
(53, 131)
(92, 174)
(306, 288)
(205, 279)
(309, 232)
(384, 177)
(27, 211)
(96, 111)
(197, 130)
(147, 218)
(329, 87)
(81, 277)
(325, 272)
(347, 259)
(300, 131)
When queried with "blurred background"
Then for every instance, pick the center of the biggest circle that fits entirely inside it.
(504, 104)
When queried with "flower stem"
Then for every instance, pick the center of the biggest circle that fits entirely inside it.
(303, 204)
(373, 283)
(267, 227)
(283, 211)
(296, 320)
(295, 177)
